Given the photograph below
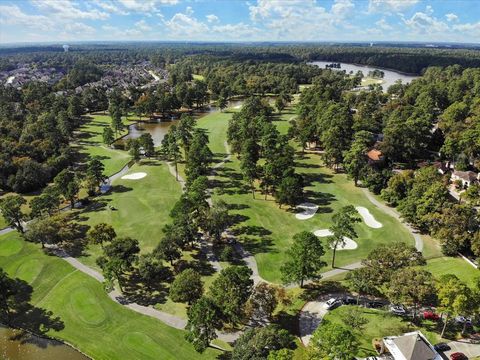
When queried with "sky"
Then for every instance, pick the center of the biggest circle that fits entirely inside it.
(236, 20)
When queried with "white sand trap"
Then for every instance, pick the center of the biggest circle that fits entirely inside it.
(237, 107)
(368, 218)
(134, 176)
(309, 210)
(349, 243)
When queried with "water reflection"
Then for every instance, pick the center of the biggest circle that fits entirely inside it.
(19, 345)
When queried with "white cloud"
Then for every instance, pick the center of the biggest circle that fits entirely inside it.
(78, 29)
(451, 17)
(186, 25)
(142, 25)
(112, 8)
(211, 18)
(13, 15)
(469, 30)
(424, 23)
(383, 24)
(68, 10)
(342, 8)
(238, 31)
(145, 6)
(390, 5)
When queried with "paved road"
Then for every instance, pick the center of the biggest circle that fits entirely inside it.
(395, 214)
(310, 317)
(470, 350)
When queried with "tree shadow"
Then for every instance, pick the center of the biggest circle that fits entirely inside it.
(143, 292)
(256, 245)
(120, 189)
(318, 290)
(251, 230)
(21, 314)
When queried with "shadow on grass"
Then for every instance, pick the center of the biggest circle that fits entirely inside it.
(120, 189)
(317, 290)
(137, 289)
(256, 245)
(21, 314)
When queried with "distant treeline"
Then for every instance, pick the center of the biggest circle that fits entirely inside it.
(406, 59)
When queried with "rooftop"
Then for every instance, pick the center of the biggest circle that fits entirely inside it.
(410, 346)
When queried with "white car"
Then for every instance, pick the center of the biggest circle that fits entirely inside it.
(398, 310)
(463, 319)
(332, 303)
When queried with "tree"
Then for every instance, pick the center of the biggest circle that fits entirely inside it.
(222, 103)
(95, 175)
(100, 234)
(45, 204)
(248, 163)
(333, 341)
(44, 231)
(199, 156)
(409, 286)
(257, 343)
(117, 123)
(230, 291)
(133, 147)
(68, 185)
(343, 227)
(203, 319)
(355, 159)
(353, 319)
(168, 249)
(385, 260)
(304, 259)
(217, 219)
(282, 354)
(454, 297)
(146, 142)
(150, 267)
(263, 302)
(279, 104)
(185, 132)
(290, 190)
(187, 287)
(108, 135)
(11, 208)
(359, 280)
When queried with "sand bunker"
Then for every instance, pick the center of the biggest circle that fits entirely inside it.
(368, 218)
(349, 243)
(134, 176)
(308, 212)
(237, 107)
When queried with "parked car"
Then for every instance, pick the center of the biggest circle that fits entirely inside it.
(430, 315)
(332, 303)
(458, 356)
(348, 300)
(441, 347)
(371, 358)
(375, 304)
(463, 319)
(398, 310)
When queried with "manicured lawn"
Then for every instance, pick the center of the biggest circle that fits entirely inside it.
(142, 207)
(93, 323)
(380, 324)
(90, 143)
(371, 81)
(453, 265)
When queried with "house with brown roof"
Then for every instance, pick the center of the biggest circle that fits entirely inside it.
(409, 346)
(375, 157)
(467, 178)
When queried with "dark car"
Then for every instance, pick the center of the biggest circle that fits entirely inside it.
(375, 304)
(347, 300)
(458, 356)
(441, 347)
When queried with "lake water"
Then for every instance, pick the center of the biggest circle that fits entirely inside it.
(17, 345)
(159, 128)
(389, 78)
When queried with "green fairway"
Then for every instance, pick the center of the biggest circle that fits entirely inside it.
(380, 324)
(93, 323)
(267, 231)
(453, 265)
(90, 142)
(142, 206)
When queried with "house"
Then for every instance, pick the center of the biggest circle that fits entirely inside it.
(467, 178)
(375, 157)
(409, 346)
(441, 167)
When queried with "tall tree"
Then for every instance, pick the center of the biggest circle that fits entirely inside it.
(333, 341)
(68, 185)
(11, 208)
(187, 287)
(248, 163)
(304, 259)
(343, 227)
(101, 233)
(203, 320)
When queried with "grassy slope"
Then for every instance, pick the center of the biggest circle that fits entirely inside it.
(456, 266)
(380, 324)
(93, 322)
(91, 143)
(142, 207)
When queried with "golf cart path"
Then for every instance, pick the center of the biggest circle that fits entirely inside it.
(395, 214)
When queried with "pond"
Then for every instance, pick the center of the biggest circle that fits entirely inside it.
(389, 78)
(18, 345)
(159, 128)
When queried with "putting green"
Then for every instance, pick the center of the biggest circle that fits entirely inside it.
(10, 246)
(87, 307)
(29, 270)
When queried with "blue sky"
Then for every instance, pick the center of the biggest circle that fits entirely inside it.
(235, 20)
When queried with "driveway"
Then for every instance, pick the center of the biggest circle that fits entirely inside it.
(311, 315)
(469, 349)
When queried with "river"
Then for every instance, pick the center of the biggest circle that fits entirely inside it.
(18, 345)
(389, 78)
